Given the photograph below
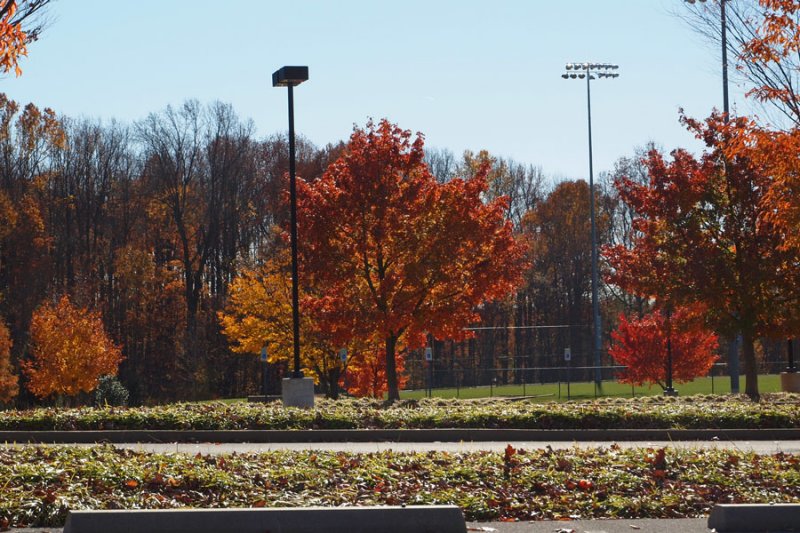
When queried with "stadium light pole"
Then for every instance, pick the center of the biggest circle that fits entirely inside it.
(591, 71)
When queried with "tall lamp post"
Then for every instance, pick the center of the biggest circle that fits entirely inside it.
(294, 394)
(591, 71)
(733, 352)
(724, 35)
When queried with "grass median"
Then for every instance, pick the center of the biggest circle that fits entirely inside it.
(41, 484)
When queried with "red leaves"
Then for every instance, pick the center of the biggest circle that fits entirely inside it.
(392, 253)
(641, 346)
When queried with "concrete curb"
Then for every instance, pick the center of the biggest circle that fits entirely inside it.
(417, 518)
(395, 435)
(755, 517)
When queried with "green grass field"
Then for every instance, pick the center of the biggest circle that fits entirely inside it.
(586, 390)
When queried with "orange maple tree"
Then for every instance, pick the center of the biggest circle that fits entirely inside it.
(70, 350)
(393, 253)
(705, 235)
(640, 344)
(9, 386)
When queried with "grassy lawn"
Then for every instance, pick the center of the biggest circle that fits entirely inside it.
(586, 390)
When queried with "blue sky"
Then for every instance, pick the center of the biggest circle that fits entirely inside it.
(468, 74)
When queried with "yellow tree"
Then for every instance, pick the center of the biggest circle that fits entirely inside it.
(8, 380)
(70, 351)
(259, 313)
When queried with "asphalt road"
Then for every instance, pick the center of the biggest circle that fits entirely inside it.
(760, 447)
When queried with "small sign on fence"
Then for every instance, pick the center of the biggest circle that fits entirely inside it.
(428, 353)
(567, 354)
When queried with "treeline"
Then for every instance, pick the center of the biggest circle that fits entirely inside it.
(149, 223)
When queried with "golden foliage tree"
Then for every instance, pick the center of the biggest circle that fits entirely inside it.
(259, 313)
(8, 380)
(70, 350)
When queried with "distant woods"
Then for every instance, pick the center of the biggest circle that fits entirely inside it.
(148, 224)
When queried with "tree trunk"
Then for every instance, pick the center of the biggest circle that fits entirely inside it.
(333, 384)
(391, 369)
(750, 368)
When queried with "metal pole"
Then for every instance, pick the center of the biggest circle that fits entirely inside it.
(790, 354)
(595, 298)
(723, 18)
(293, 224)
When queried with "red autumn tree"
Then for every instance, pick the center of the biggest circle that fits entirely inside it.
(8, 380)
(70, 350)
(395, 254)
(705, 236)
(640, 344)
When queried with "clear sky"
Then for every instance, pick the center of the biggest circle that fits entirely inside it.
(469, 74)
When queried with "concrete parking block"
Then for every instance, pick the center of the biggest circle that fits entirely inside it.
(755, 518)
(410, 519)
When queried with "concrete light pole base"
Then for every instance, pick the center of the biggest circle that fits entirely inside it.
(298, 392)
(790, 381)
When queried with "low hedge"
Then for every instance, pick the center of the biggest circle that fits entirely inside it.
(695, 412)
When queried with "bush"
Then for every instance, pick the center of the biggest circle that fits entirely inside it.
(110, 392)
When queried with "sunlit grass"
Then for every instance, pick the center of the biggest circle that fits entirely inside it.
(586, 390)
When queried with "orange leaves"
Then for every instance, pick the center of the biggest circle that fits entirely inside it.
(395, 253)
(70, 350)
(641, 346)
(12, 38)
(779, 34)
(366, 373)
(8, 380)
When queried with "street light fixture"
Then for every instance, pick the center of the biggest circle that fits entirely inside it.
(290, 77)
(298, 395)
(591, 71)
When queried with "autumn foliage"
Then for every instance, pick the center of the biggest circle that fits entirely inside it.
(9, 386)
(366, 373)
(641, 346)
(70, 351)
(259, 314)
(12, 38)
(705, 235)
(394, 254)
